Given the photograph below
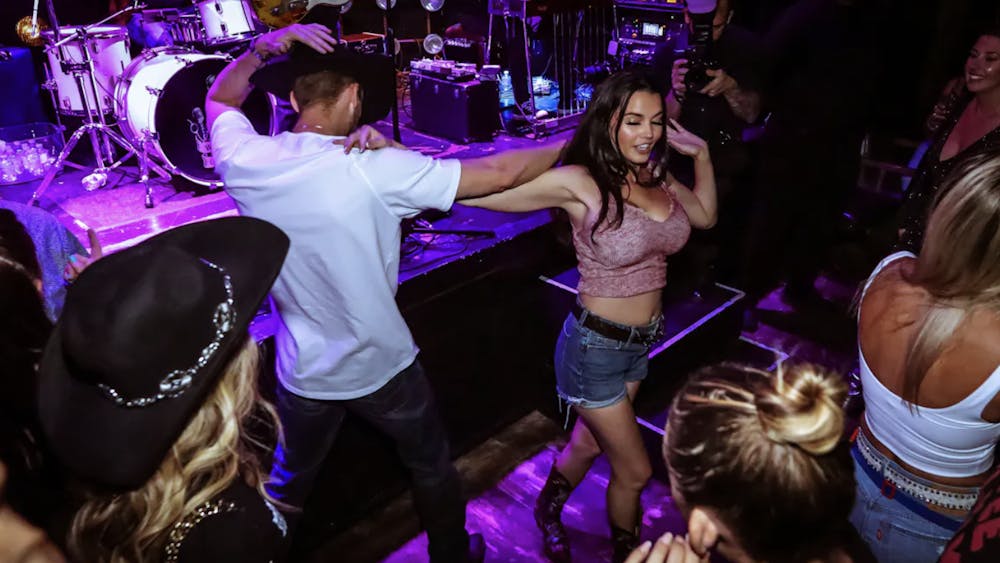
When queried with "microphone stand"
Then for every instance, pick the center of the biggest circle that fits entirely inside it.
(390, 51)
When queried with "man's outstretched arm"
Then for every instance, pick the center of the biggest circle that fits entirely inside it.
(498, 172)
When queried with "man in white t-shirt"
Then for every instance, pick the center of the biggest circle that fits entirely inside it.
(343, 345)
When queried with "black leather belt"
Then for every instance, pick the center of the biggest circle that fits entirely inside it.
(646, 336)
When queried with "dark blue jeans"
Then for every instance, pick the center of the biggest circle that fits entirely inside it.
(404, 410)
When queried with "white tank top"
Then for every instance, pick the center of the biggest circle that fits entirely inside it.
(951, 442)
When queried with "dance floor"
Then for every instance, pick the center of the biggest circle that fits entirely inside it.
(503, 472)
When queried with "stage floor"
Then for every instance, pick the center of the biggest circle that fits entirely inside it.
(117, 213)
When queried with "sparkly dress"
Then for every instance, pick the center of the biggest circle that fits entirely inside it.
(933, 171)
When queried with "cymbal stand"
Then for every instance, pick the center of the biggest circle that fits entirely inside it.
(96, 126)
(389, 48)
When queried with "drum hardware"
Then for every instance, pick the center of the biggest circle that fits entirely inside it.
(144, 165)
(85, 76)
(225, 21)
(213, 23)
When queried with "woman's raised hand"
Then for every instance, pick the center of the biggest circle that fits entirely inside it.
(684, 141)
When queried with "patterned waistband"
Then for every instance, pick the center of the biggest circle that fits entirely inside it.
(902, 482)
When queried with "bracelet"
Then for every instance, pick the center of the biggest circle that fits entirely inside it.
(253, 51)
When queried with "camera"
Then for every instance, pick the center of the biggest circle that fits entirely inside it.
(701, 14)
(699, 61)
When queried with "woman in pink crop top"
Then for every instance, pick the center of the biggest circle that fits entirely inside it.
(929, 345)
(627, 215)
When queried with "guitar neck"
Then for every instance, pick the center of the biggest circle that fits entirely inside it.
(283, 13)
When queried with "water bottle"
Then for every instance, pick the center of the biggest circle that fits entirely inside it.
(506, 90)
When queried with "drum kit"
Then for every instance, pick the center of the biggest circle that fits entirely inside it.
(151, 107)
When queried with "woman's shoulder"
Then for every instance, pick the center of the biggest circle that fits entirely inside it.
(888, 288)
(236, 525)
(891, 271)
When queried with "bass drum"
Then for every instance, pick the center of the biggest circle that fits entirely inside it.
(161, 100)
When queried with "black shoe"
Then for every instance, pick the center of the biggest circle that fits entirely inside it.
(473, 551)
(477, 549)
(548, 517)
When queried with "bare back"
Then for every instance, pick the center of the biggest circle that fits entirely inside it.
(889, 318)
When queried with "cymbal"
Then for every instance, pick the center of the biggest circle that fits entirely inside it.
(30, 34)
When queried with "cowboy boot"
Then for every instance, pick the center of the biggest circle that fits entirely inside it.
(623, 542)
(548, 516)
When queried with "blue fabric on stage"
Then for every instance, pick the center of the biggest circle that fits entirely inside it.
(20, 97)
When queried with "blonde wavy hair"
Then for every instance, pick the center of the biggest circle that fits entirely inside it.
(215, 449)
(764, 452)
(959, 262)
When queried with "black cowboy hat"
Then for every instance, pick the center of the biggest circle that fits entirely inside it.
(144, 336)
(375, 74)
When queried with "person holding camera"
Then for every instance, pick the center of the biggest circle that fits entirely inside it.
(719, 70)
(714, 93)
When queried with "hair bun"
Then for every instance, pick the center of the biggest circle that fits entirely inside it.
(802, 405)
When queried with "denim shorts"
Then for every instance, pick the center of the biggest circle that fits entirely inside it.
(592, 369)
(893, 531)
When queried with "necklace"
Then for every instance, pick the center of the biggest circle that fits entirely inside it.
(303, 127)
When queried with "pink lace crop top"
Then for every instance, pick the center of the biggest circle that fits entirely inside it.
(631, 259)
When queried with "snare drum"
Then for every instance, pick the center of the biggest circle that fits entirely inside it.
(108, 47)
(160, 102)
(226, 21)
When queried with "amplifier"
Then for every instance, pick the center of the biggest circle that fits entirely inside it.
(465, 50)
(643, 27)
(632, 53)
(649, 22)
(443, 69)
(365, 43)
(459, 111)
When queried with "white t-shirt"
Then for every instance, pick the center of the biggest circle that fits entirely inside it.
(342, 335)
